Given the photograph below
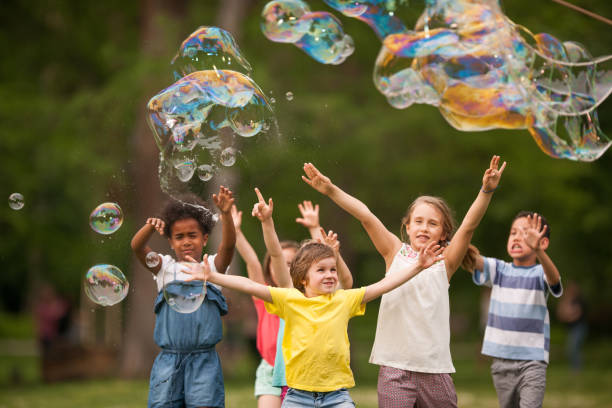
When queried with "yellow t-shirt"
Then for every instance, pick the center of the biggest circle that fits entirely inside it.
(315, 344)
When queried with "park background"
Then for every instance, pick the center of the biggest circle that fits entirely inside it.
(74, 80)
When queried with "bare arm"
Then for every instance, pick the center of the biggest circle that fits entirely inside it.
(224, 201)
(458, 246)
(201, 271)
(386, 243)
(428, 255)
(246, 251)
(140, 239)
(278, 264)
(310, 220)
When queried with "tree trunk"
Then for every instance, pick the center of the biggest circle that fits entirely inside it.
(158, 43)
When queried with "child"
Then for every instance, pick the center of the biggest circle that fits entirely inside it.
(316, 313)
(187, 371)
(270, 388)
(518, 328)
(412, 343)
(267, 394)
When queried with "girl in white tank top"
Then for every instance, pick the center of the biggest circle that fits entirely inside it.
(413, 330)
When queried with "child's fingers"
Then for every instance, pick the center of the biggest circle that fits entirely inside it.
(316, 208)
(271, 204)
(259, 195)
(501, 170)
(190, 259)
(301, 208)
(307, 180)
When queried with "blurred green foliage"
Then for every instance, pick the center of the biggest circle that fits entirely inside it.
(72, 86)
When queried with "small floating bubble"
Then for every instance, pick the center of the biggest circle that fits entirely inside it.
(16, 201)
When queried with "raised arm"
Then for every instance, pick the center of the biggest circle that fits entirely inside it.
(386, 243)
(428, 255)
(278, 265)
(535, 239)
(224, 201)
(458, 246)
(201, 271)
(246, 251)
(140, 239)
(310, 220)
(345, 278)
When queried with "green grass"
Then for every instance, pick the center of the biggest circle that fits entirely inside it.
(20, 385)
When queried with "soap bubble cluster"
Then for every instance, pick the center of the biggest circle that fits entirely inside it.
(199, 121)
(483, 71)
(181, 295)
(105, 285)
(15, 201)
(319, 34)
(106, 218)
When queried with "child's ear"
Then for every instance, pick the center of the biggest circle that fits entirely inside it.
(205, 239)
(544, 243)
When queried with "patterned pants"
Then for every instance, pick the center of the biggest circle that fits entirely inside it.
(401, 388)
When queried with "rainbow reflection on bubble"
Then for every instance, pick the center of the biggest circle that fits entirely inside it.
(106, 218)
(483, 72)
(181, 295)
(380, 15)
(195, 121)
(209, 48)
(105, 285)
(319, 34)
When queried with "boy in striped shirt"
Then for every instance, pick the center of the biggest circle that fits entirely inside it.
(518, 326)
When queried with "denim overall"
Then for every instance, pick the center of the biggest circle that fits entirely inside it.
(187, 372)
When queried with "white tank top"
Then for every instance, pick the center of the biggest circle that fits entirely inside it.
(413, 328)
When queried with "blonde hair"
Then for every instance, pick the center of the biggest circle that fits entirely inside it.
(309, 253)
(267, 273)
(448, 227)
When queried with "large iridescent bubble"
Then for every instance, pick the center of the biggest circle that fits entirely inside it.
(483, 71)
(209, 48)
(194, 122)
(182, 295)
(105, 284)
(319, 34)
(197, 120)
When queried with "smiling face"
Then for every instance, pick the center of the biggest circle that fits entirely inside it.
(519, 251)
(321, 278)
(187, 239)
(425, 225)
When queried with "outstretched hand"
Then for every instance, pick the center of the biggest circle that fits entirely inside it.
(224, 200)
(310, 215)
(261, 210)
(236, 217)
(492, 175)
(330, 239)
(534, 232)
(430, 254)
(158, 224)
(316, 179)
(198, 270)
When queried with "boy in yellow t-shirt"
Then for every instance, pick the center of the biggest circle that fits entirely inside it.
(316, 312)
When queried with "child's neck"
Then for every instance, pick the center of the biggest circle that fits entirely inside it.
(525, 262)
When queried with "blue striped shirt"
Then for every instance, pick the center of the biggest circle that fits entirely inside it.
(518, 324)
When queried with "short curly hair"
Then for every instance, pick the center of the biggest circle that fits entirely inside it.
(187, 207)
